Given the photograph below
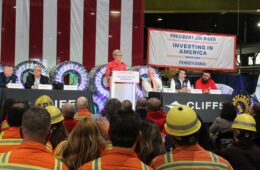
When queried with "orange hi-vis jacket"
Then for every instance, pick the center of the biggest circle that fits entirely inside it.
(4, 125)
(10, 139)
(116, 158)
(190, 158)
(82, 113)
(30, 155)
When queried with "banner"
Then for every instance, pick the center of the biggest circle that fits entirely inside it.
(191, 50)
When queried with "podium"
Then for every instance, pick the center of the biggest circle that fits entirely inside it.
(123, 85)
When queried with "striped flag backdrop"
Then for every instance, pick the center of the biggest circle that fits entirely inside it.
(85, 31)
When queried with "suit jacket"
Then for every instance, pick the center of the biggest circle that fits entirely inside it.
(4, 80)
(30, 80)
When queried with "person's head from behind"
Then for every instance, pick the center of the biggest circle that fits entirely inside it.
(15, 113)
(8, 70)
(112, 106)
(117, 55)
(43, 101)
(84, 143)
(59, 132)
(82, 103)
(228, 111)
(154, 105)
(36, 125)
(68, 110)
(183, 125)
(182, 74)
(37, 71)
(256, 109)
(7, 104)
(151, 73)
(141, 103)
(206, 76)
(150, 144)
(124, 129)
(244, 127)
(127, 106)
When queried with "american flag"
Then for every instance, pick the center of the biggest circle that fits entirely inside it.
(85, 31)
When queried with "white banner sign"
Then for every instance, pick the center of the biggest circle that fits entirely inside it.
(191, 50)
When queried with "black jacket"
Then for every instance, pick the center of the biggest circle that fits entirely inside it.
(30, 80)
(4, 80)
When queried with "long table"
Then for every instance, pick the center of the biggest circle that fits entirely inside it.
(207, 106)
(58, 96)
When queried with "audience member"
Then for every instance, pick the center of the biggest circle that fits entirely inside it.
(11, 138)
(140, 107)
(152, 83)
(7, 104)
(256, 113)
(82, 108)
(84, 144)
(127, 106)
(150, 144)
(181, 83)
(244, 154)
(32, 154)
(155, 113)
(7, 76)
(183, 125)
(43, 101)
(68, 111)
(205, 83)
(33, 80)
(224, 122)
(59, 132)
(124, 132)
(115, 65)
(112, 106)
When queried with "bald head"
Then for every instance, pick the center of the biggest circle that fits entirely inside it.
(68, 110)
(153, 105)
(141, 103)
(82, 102)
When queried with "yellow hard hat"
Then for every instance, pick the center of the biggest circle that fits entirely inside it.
(182, 120)
(43, 101)
(55, 114)
(245, 122)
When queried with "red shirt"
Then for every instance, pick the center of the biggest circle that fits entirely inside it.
(158, 117)
(205, 86)
(114, 66)
(69, 123)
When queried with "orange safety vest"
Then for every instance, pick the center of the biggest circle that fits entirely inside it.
(4, 125)
(82, 113)
(30, 156)
(190, 157)
(116, 158)
(58, 150)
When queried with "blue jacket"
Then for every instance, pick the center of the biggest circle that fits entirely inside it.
(4, 80)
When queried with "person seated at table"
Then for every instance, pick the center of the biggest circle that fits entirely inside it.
(33, 80)
(205, 83)
(152, 83)
(7, 76)
(181, 83)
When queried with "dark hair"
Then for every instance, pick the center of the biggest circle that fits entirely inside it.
(256, 108)
(7, 104)
(15, 113)
(127, 106)
(182, 70)
(124, 128)
(228, 111)
(141, 103)
(150, 144)
(153, 105)
(59, 134)
(207, 71)
(187, 140)
(37, 122)
(112, 106)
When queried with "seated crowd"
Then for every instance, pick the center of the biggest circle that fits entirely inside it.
(42, 136)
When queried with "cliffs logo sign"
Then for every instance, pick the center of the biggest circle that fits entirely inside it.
(199, 105)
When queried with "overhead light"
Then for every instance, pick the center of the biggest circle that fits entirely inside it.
(159, 19)
(115, 12)
(258, 24)
(92, 13)
(258, 10)
(14, 7)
